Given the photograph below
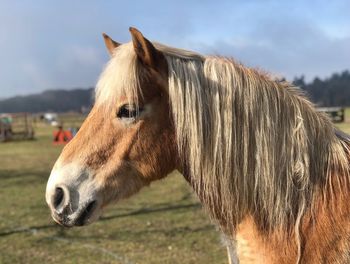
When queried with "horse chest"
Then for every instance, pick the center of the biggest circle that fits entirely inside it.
(250, 247)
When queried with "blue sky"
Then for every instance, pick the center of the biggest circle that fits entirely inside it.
(58, 44)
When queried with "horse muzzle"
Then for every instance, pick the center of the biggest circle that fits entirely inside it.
(72, 198)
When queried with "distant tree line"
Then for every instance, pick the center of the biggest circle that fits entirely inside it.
(49, 101)
(333, 91)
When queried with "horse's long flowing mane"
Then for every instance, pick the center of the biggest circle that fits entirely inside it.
(252, 144)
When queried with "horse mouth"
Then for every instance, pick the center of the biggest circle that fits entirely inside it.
(85, 215)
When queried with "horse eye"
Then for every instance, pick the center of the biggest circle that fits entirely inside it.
(128, 111)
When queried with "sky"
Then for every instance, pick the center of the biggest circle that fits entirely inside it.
(58, 44)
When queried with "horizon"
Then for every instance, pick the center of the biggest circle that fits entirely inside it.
(93, 87)
(41, 50)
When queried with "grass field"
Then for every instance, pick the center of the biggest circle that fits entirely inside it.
(164, 223)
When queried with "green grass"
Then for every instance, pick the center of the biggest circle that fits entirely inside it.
(346, 125)
(164, 223)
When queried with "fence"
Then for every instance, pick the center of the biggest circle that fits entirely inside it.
(337, 114)
(16, 127)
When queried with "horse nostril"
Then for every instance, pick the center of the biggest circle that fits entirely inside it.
(58, 197)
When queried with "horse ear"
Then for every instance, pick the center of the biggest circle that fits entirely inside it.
(144, 49)
(110, 43)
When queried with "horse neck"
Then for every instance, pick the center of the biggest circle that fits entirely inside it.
(269, 163)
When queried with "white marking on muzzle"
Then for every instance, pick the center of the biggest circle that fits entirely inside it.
(79, 189)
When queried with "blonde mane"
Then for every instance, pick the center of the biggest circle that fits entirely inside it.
(252, 145)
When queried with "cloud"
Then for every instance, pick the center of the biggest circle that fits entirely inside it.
(288, 48)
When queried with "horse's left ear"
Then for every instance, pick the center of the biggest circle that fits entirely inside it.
(110, 43)
(144, 49)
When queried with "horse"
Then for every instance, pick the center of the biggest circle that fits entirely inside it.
(272, 172)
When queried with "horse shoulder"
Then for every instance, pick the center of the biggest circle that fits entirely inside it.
(327, 236)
